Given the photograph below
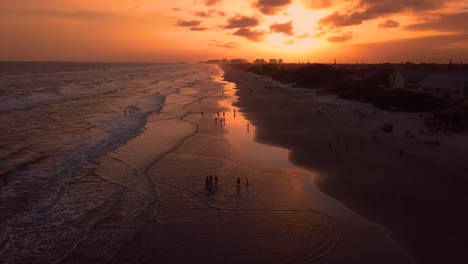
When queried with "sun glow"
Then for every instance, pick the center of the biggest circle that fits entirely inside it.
(304, 29)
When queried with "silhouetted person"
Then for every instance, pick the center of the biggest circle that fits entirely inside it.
(224, 114)
(250, 90)
(125, 112)
(247, 183)
(216, 120)
(202, 114)
(329, 145)
(238, 182)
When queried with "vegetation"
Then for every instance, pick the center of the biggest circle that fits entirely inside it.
(369, 85)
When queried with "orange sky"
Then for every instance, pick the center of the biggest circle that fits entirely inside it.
(191, 30)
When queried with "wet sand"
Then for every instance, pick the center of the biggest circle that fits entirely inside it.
(280, 217)
(419, 196)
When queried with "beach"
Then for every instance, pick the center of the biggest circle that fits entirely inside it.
(120, 173)
(413, 189)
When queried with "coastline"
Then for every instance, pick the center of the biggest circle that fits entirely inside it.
(418, 196)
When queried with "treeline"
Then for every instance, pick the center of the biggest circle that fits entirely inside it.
(370, 85)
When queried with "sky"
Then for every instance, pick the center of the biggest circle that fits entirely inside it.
(369, 31)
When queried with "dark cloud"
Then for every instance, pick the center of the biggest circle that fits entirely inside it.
(285, 28)
(198, 29)
(254, 35)
(206, 14)
(372, 9)
(342, 38)
(318, 4)
(221, 13)
(211, 2)
(176, 9)
(227, 45)
(427, 49)
(455, 22)
(389, 24)
(271, 7)
(239, 21)
(188, 23)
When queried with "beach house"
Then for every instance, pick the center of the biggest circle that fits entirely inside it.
(442, 84)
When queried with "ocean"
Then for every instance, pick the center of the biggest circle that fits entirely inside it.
(56, 120)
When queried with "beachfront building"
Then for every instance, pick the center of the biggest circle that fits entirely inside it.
(408, 79)
(273, 61)
(446, 85)
(442, 84)
(259, 61)
(280, 61)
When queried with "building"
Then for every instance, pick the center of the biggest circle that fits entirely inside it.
(280, 61)
(260, 61)
(452, 85)
(408, 79)
(442, 84)
(273, 61)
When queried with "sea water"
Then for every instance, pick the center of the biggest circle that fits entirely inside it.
(56, 120)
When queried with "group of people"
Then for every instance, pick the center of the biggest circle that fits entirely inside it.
(209, 180)
(361, 144)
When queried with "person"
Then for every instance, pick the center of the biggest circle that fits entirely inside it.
(224, 114)
(125, 112)
(238, 182)
(247, 183)
(216, 120)
(216, 179)
(201, 114)
(329, 145)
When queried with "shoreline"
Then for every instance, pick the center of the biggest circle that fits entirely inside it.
(415, 196)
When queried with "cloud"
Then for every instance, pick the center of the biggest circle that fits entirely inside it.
(455, 22)
(303, 36)
(389, 24)
(205, 14)
(271, 7)
(285, 28)
(176, 9)
(317, 4)
(221, 13)
(188, 23)
(239, 21)
(372, 9)
(415, 49)
(227, 45)
(211, 2)
(254, 35)
(290, 41)
(342, 38)
(198, 29)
